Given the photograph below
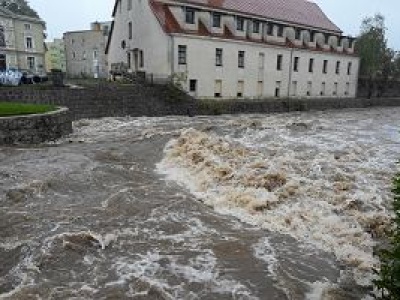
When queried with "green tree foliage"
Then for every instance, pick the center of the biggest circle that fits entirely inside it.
(20, 7)
(376, 57)
(389, 275)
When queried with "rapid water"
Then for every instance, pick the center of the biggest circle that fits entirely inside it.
(283, 206)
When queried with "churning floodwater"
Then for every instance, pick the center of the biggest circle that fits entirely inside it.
(286, 206)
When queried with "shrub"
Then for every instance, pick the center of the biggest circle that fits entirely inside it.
(389, 274)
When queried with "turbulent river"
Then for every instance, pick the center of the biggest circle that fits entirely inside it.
(286, 206)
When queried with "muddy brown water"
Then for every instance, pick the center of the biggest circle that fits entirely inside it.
(90, 218)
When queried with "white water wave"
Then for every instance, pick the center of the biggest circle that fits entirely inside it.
(324, 187)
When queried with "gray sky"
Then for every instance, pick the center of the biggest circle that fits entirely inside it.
(72, 15)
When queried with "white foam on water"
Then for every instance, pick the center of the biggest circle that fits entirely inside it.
(318, 290)
(264, 251)
(78, 239)
(329, 187)
(155, 269)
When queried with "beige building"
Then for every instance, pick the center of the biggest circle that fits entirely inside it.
(55, 55)
(21, 42)
(85, 51)
(236, 48)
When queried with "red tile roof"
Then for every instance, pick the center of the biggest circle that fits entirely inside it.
(300, 12)
(171, 25)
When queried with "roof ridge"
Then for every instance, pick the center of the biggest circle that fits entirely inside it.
(298, 12)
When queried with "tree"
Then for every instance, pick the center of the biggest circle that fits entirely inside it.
(373, 51)
(20, 7)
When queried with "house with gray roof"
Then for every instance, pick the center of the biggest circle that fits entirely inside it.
(235, 48)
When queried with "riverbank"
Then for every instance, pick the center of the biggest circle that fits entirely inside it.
(113, 100)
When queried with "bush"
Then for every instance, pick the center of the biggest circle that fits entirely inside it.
(389, 274)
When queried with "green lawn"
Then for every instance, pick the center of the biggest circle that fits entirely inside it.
(13, 109)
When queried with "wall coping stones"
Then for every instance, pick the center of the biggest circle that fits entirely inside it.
(35, 128)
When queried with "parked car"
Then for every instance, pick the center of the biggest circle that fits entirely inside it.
(28, 77)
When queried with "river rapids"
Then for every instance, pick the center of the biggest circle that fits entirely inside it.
(286, 206)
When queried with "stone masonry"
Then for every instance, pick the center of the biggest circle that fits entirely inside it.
(35, 129)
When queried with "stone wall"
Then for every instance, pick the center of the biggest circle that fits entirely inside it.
(35, 129)
(142, 100)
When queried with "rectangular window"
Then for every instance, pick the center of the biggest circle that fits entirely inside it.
(218, 89)
(129, 4)
(325, 67)
(182, 54)
(309, 88)
(261, 61)
(130, 30)
(311, 65)
(216, 20)
(296, 64)
(270, 29)
(335, 89)
(218, 57)
(338, 67)
(349, 66)
(240, 89)
(256, 27)
(294, 88)
(129, 59)
(298, 34)
(192, 85)
(278, 89)
(27, 26)
(239, 23)
(347, 91)
(95, 54)
(189, 16)
(141, 59)
(260, 89)
(280, 30)
(323, 88)
(31, 63)
(241, 55)
(279, 62)
(28, 43)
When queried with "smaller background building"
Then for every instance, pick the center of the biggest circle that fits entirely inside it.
(21, 42)
(55, 56)
(85, 51)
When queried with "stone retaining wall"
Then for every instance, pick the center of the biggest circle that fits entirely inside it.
(153, 101)
(35, 129)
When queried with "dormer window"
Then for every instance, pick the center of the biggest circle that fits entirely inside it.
(216, 20)
(256, 27)
(280, 30)
(189, 16)
(298, 34)
(270, 30)
(240, 24)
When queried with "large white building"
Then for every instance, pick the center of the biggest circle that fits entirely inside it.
(236, 48)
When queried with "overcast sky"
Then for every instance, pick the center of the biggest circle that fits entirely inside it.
(70, 15)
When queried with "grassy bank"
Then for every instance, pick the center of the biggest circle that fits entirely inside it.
(8, 109)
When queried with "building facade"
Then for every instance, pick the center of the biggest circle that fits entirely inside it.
(21, 42)
(85, 51)
(55, 56)
(230, 49)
